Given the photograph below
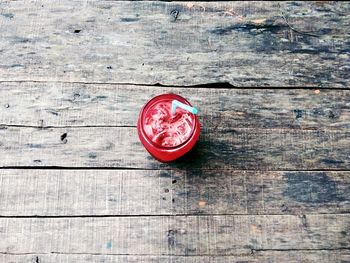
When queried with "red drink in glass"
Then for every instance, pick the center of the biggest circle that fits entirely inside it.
(167, 136)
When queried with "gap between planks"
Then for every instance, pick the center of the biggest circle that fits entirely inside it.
(177, 255)
(173, 215)
(214, 85)
(163, 169)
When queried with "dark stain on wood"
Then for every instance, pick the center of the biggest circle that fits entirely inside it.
(175, 14)
(92, 155)
(16, 66)
(306, 51)
(109, 146)
(164, 174)
(311, 188)
(129, 19)
(183, 194)
(321, 112)
(331, 161)
(149, 157)
(304, 221)
(331, 115)
(75, 97)
(107, 7)
(285, 208)
(64, 138)
(101, 97)
(249, 28)
(299, 113)
(53, 112)
(41, 123)
(197, 173)
(171, 238)
(33, 145)
(17, 39)
(343, 233)
(8, 15)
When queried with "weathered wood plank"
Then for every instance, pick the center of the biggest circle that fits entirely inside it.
(180, 235)
(177, 43)
(75, 104)
(267, 149)
(321, 256)
(131, 192)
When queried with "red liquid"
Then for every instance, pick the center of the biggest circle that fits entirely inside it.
(165, 129)
(166, 136)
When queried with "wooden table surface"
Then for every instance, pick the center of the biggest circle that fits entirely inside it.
(269, 180)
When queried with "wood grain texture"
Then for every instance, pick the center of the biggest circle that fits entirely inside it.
(75, 104)
(321, 256)
(130, 192)
(269, 180)
(251, 149)
(178, 43)
(168, 235)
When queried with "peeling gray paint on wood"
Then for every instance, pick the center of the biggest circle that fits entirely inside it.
(243, 43)
(305, 256)
(60, 65)
(191, 192)
(252, 149)
(75, 104)
(316, 188)
(193, 235)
